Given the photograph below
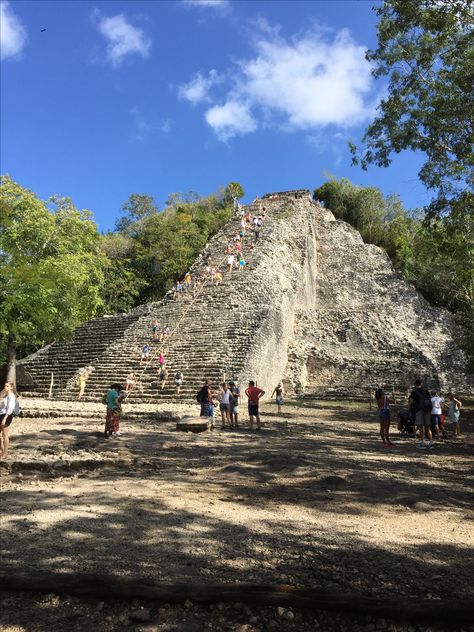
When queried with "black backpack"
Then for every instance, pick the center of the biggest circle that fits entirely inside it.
(424, 399)
(201, 395)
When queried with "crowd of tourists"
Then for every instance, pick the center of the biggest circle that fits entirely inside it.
(234, 257)
(226, 401)
(424, 417)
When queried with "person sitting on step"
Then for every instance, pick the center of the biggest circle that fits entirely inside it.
(218, 278)
(131, 381)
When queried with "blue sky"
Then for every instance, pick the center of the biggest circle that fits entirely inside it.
(115, 98)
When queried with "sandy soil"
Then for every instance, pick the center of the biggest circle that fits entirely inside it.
(312, 500)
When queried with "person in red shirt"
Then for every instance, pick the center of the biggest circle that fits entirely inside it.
(254, 394)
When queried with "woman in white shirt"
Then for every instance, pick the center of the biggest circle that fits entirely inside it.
(7, 405)
(224, 405)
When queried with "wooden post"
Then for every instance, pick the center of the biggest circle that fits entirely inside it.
(51, 386)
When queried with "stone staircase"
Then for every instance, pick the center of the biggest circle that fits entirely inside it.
(211, 332)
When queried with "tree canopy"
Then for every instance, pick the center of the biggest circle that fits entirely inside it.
(426, 49)
(50, 268)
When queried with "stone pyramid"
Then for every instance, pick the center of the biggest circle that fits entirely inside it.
(315, 307)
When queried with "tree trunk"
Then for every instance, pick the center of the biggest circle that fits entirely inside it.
(11, 359)
(444, 613)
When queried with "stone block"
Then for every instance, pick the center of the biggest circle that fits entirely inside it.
(193, 424)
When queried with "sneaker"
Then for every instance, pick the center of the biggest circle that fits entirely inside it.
(430, 446)
(421, 446)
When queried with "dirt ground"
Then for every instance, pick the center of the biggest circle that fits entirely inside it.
(312, 500)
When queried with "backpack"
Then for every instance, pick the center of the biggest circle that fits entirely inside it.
(425, 402)
(17, 409)
(201, 395)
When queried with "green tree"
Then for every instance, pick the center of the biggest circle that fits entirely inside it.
(426, 49)
(50, 269)
(122, 282)
(233, 191)
(137, 208)
(365, 208)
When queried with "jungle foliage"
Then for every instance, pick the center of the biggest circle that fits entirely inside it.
(426, 50)
(51, 270)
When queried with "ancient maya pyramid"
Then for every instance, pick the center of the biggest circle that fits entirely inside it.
(315, 307)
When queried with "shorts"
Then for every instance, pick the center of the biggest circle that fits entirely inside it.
(210, 410)
(9, 419)
(422, 418)
(436, 421)
(279, 400)
(234, 410)
(384, 414)
(454, 419)
(224, 407)
(253, 409)
(178, 382)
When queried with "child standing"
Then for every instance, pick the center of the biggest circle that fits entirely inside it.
(436, 424)
(454, 408)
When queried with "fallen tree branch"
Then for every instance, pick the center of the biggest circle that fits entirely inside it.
(446, 612)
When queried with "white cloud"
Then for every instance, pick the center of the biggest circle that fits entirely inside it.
(141, 128)
(166, 126)
(123, 39)
(311, 82)
(12, 32)
(209, 4)
(231, 119)
(317, 79)
(197, 90)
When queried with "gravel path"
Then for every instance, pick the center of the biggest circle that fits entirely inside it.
(312, 500)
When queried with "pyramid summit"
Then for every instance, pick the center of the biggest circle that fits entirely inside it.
(315, 307)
